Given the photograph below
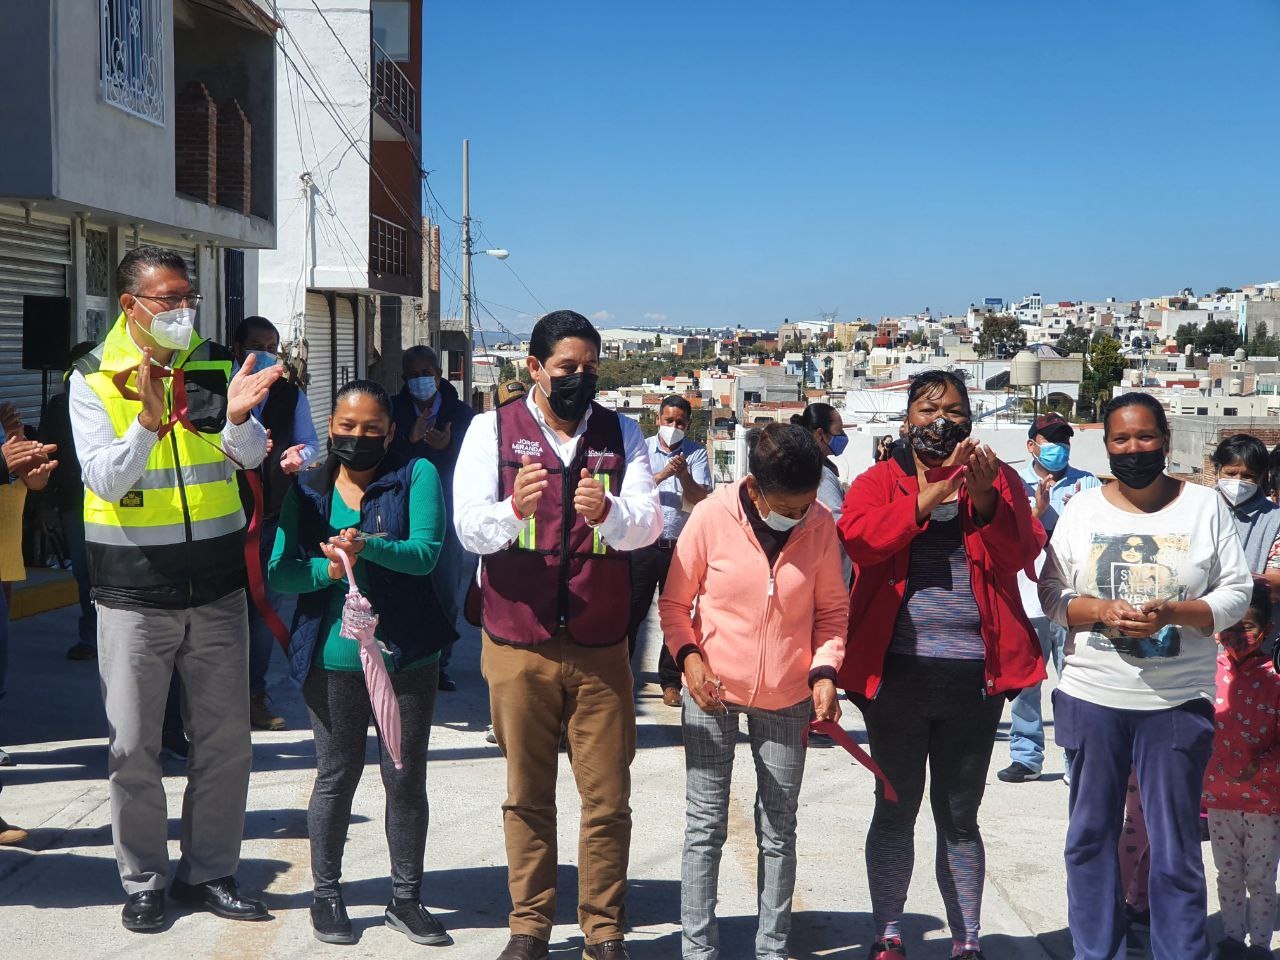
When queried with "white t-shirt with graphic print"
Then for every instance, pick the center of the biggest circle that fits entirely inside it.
(1187, 551)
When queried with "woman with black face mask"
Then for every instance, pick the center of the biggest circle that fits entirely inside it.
(1142, 573)
(388, 516)
(937, 641)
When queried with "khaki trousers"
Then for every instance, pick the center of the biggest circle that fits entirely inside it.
(533, 691)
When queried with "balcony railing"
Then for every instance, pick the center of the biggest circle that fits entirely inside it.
(388, 247)
(393, 92)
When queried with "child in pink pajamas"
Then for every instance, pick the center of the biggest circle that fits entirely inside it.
(1242, 784)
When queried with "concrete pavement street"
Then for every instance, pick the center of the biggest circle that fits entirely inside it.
(60, 895)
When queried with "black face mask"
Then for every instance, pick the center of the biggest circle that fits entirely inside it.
(939, 439)
(358, 453)
(1137, 470)
(570, 396)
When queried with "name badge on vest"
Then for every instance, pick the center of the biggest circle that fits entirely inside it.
(132, 499)
(524, 447)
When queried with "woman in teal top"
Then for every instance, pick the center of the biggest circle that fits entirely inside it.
(388, 516)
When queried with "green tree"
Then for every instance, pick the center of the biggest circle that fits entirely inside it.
(1073, 340)
(1262, 344)
(1221, 290)
(507, 372)
(1216, 336)
(1105, 365)
(1001, 335)
(657, 340)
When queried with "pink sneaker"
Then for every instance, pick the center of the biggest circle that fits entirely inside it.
(890, 948)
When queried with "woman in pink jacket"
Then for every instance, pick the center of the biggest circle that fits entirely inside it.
(755, 610)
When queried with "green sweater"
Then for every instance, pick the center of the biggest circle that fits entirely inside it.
(417, 555)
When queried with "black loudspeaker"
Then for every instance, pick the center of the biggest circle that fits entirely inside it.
(46, 333)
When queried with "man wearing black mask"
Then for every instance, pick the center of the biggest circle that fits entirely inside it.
(552, 491)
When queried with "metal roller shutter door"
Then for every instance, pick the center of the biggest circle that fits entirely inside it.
(345, 365)
(317, 331)
(33, 260)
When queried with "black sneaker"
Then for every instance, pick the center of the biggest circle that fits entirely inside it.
(1229, 949)
(413, 920)
(174, 745)
(329, 920)
(446, 683)
(1018, 773)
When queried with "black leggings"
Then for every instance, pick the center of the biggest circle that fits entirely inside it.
(930, 712)
(340, 713)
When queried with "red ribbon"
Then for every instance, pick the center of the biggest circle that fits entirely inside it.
(253, 562)
(180, 415)
(838, 734)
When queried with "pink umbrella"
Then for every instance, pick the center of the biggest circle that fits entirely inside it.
(359, 623)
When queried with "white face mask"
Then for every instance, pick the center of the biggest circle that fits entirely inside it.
(776, 521)
(1236, 491)
(670, 435)
(171, 329)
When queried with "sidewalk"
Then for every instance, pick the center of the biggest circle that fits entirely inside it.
(60, 896)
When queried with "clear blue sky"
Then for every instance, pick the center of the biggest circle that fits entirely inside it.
(740, 162)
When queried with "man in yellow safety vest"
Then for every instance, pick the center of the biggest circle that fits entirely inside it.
(160, 427)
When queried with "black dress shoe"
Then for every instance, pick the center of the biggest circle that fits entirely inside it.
(143, 912)
(413, 920)
(329, 920)
(608, 950)
(521, 946)
(220, 897)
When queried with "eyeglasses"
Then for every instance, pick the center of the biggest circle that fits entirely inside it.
(178, 300)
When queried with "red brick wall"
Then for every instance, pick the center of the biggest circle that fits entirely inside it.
(235, 158)
(196, 143)
(1269, 436)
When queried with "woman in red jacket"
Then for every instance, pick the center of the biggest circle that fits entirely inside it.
(938, 640)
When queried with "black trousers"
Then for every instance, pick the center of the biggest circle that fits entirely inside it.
(340, 714)
(649, 566)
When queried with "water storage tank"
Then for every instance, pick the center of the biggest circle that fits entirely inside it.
(1024, 370)
(1204, 386)
(1240, 354)
(1236, 387)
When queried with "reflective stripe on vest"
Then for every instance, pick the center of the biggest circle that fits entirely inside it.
(188, 483)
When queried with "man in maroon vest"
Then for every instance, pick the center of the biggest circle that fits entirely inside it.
(552, 491)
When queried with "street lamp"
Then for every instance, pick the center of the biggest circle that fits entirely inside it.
(498, 254)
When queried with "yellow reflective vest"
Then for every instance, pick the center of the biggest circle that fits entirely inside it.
(177, 538)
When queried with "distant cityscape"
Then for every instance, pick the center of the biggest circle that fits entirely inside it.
(1210, 357)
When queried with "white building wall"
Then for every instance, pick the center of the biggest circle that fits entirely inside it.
(322, 180)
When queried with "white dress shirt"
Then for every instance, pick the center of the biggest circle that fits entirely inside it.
(486, 524)
(112, 466)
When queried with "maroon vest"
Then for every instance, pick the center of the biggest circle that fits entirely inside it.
(558, 572)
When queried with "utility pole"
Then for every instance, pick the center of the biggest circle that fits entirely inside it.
(466, 270)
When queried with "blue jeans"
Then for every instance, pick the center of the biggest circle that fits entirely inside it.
(72, 523)
(1169, 750)
(777, 744)
(1026, 715)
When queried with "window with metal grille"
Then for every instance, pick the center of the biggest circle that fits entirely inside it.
(132, 48)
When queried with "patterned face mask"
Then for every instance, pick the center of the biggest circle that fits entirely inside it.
(937, 440)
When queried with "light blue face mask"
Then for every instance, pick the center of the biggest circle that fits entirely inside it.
(263, 359)
(421, 389)
(1054, 456)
